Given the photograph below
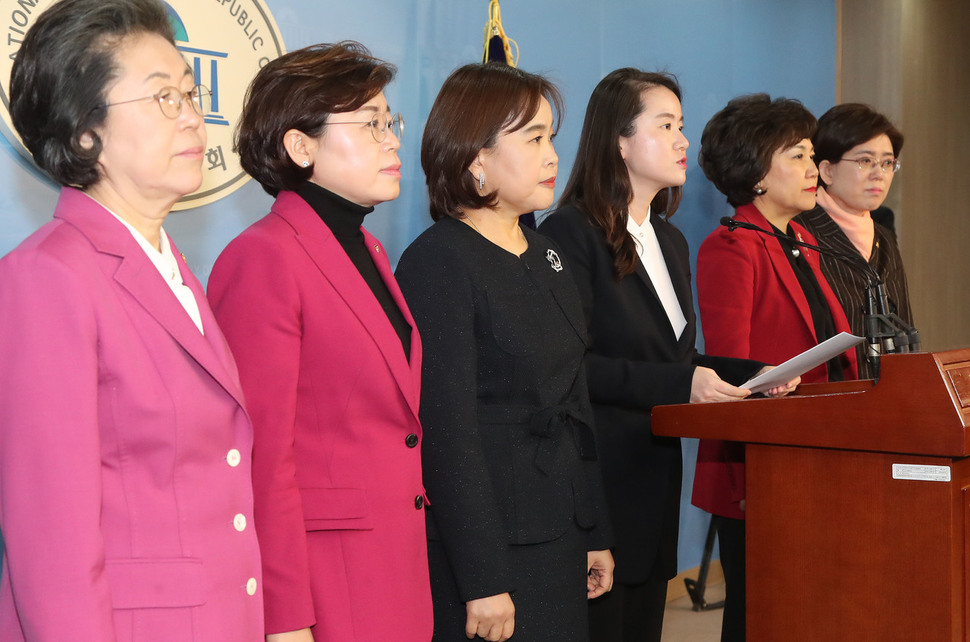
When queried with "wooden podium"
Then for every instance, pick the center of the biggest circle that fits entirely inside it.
(857, 502)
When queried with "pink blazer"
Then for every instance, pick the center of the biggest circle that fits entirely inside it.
(125, 500)
(337, 457)
(753, 307)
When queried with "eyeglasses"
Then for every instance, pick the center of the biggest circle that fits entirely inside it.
(867, 163)
(170, 100)
(380, 125)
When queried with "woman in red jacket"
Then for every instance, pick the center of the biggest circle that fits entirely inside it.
(328, 356)
(760, 297)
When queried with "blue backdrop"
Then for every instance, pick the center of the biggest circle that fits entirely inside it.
(718, 49)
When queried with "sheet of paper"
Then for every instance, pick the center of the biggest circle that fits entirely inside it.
(799, 365)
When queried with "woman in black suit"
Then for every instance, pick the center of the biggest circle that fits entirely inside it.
(633, 271)
(517, 531)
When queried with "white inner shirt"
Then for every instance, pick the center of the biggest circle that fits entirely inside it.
(168, 267)
(648, 249)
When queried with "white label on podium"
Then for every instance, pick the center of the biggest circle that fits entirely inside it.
(921, 473)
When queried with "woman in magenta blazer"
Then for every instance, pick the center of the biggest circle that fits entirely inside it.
(328, 356)
(125, 493)
(760, 297)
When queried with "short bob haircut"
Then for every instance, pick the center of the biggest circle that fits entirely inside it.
(599, 183)
(845, 126)
(739, 141)
(60, 76)
(476, 104)
(300, 90)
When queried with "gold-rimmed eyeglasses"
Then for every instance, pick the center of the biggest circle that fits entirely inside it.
(867, 163)
(170, 100)
(379, 126)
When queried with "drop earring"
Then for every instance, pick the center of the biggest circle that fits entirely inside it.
(758, 189)
(481, 181)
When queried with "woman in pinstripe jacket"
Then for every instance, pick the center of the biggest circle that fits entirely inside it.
(857, 153)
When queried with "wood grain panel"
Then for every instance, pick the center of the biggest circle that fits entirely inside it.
(911, 60)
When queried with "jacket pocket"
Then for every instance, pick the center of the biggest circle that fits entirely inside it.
(513, 329)
(138, 583)
(326, 509)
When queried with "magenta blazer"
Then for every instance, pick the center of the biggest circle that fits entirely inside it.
(753, 307)
(125, 498)
(337, 457)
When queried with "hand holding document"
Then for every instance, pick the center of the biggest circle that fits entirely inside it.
(799, 365)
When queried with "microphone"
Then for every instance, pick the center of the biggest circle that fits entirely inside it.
(857, 263)
(886, 333)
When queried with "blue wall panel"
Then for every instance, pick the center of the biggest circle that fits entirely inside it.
(718, 48)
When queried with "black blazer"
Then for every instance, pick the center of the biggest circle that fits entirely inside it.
(508, 445)
(635, 363)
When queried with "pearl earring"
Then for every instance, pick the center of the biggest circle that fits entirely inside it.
(305, 163)
(759, 190)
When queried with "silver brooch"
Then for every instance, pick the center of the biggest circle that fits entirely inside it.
(554, 261)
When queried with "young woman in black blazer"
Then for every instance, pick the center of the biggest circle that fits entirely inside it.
(633, 272)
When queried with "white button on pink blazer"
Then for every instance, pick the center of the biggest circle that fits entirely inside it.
(125, 450)
(334, 402)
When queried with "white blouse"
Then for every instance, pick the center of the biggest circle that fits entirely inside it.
(168, 267)
(652, 258)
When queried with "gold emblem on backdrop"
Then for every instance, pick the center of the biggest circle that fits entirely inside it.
(225, 42)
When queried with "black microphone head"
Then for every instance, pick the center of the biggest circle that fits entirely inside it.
(729, 223)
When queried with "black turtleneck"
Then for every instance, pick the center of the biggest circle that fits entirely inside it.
(344, 219)
(817, 305)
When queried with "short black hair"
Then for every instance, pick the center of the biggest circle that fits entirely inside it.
(60, 75)
(739, 141)
(300, 90)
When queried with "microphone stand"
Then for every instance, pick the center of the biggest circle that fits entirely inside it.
(886, 333)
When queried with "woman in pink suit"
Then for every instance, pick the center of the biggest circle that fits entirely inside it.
(125, 493)
(760, 297)
(328, 356)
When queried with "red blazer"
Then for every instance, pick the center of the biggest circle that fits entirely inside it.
(753, 307)
(125, 488)
(337, 457)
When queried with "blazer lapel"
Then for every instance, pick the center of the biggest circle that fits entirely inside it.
(641, 272)
(408, 378)
(681, 289)
(779, 263)
(678, 278)
(213, 333)
(335, 266)
(137, 275)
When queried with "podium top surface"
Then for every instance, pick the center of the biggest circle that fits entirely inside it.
(920, 405)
